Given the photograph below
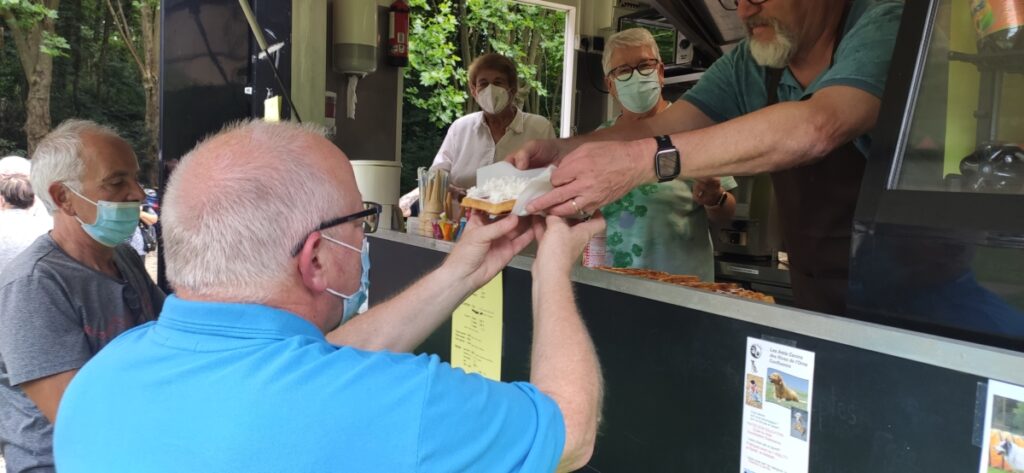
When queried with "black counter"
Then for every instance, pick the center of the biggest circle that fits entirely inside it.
(885, 400)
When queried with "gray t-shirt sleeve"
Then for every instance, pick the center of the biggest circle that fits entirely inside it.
(40, 331)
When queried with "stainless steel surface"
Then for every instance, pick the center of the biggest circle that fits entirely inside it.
(767, 274)
(754, 229)
(956, 355)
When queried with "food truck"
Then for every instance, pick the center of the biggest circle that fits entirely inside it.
(915, 375)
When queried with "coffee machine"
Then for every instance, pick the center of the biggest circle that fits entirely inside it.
(747, 248)
(754, 232)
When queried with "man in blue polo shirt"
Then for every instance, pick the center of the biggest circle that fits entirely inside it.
(796, 98)
(265, 245)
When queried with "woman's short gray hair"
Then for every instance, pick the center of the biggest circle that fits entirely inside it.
(57, 158)
(624, 39)
(234, 241)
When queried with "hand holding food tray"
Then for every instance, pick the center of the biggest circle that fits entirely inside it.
(502, 189)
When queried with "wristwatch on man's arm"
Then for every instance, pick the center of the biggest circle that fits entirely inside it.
(666, 159)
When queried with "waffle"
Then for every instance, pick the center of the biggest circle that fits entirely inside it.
(493, 208)
(692, 282)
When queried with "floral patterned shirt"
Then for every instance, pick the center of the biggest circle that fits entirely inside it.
(660, 227)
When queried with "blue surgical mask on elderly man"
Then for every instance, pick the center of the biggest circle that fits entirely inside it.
(639, 93)
(115, 221)
(355, 300)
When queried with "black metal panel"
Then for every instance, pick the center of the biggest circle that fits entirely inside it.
(948, 263)
(275, 19)
(690, 18)
(674, 384)
(204, 68)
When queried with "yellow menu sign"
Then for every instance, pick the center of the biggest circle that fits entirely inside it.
(476, 331)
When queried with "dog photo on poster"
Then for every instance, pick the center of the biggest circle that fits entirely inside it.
(1003, 449)
(776, 408)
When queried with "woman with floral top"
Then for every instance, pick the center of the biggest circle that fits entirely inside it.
(658, 226)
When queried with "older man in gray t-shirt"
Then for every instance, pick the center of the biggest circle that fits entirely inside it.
(55, 314)
(72, 290)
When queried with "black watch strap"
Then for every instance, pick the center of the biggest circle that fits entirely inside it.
(666, 159)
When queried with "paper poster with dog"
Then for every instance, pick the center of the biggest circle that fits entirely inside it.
(1003, 447)
(787, 390)
(777, 391)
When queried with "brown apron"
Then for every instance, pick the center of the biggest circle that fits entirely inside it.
(816, 204)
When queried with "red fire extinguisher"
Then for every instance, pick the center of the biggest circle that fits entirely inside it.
(398, 35)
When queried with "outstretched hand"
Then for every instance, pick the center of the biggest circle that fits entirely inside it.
(707, 191)
(562, 243)
(537, 153)
(590, 177)
(485, 248)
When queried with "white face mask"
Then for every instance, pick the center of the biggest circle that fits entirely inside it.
(492, 99)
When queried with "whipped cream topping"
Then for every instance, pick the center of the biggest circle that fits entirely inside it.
(498, 189)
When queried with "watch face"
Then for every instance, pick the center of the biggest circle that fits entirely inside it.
(668, 164)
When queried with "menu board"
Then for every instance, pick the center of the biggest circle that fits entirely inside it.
(476, 331)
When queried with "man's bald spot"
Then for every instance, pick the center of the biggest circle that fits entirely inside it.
(240, 149)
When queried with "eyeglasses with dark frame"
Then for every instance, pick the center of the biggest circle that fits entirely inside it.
(733, 5)
(625, 72)
(370, 215)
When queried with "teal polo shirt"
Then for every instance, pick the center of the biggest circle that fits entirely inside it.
(248, 388)
(735, 84)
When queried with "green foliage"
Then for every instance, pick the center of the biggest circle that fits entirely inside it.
(94, 77)
(54, 45)
(436, 79)
(436, 91)
(437, 74)
(26, 13)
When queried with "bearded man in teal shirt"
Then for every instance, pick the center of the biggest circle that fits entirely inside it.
(797, 98)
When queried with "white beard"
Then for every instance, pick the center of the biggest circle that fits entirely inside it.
(777, 52)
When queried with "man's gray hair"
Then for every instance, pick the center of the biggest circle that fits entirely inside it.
(57, 158)
(233, 238)
(624, 39)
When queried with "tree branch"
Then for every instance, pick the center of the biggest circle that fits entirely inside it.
(122, 25)
(26, 54)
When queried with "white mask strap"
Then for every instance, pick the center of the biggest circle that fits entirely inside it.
(346, 245)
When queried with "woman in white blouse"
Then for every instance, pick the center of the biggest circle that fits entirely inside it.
(487, 136)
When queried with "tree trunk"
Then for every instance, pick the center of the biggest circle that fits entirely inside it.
(38, 70)
(73, 10)
(101, 61)
(469, 106)
(531, 58)
(149, 15)
(143, 46)
(37, 106)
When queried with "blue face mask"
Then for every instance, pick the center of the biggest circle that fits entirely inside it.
(115, 221)
(355, 300)
(639, 94)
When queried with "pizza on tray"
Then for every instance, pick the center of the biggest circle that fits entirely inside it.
(687, 280)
